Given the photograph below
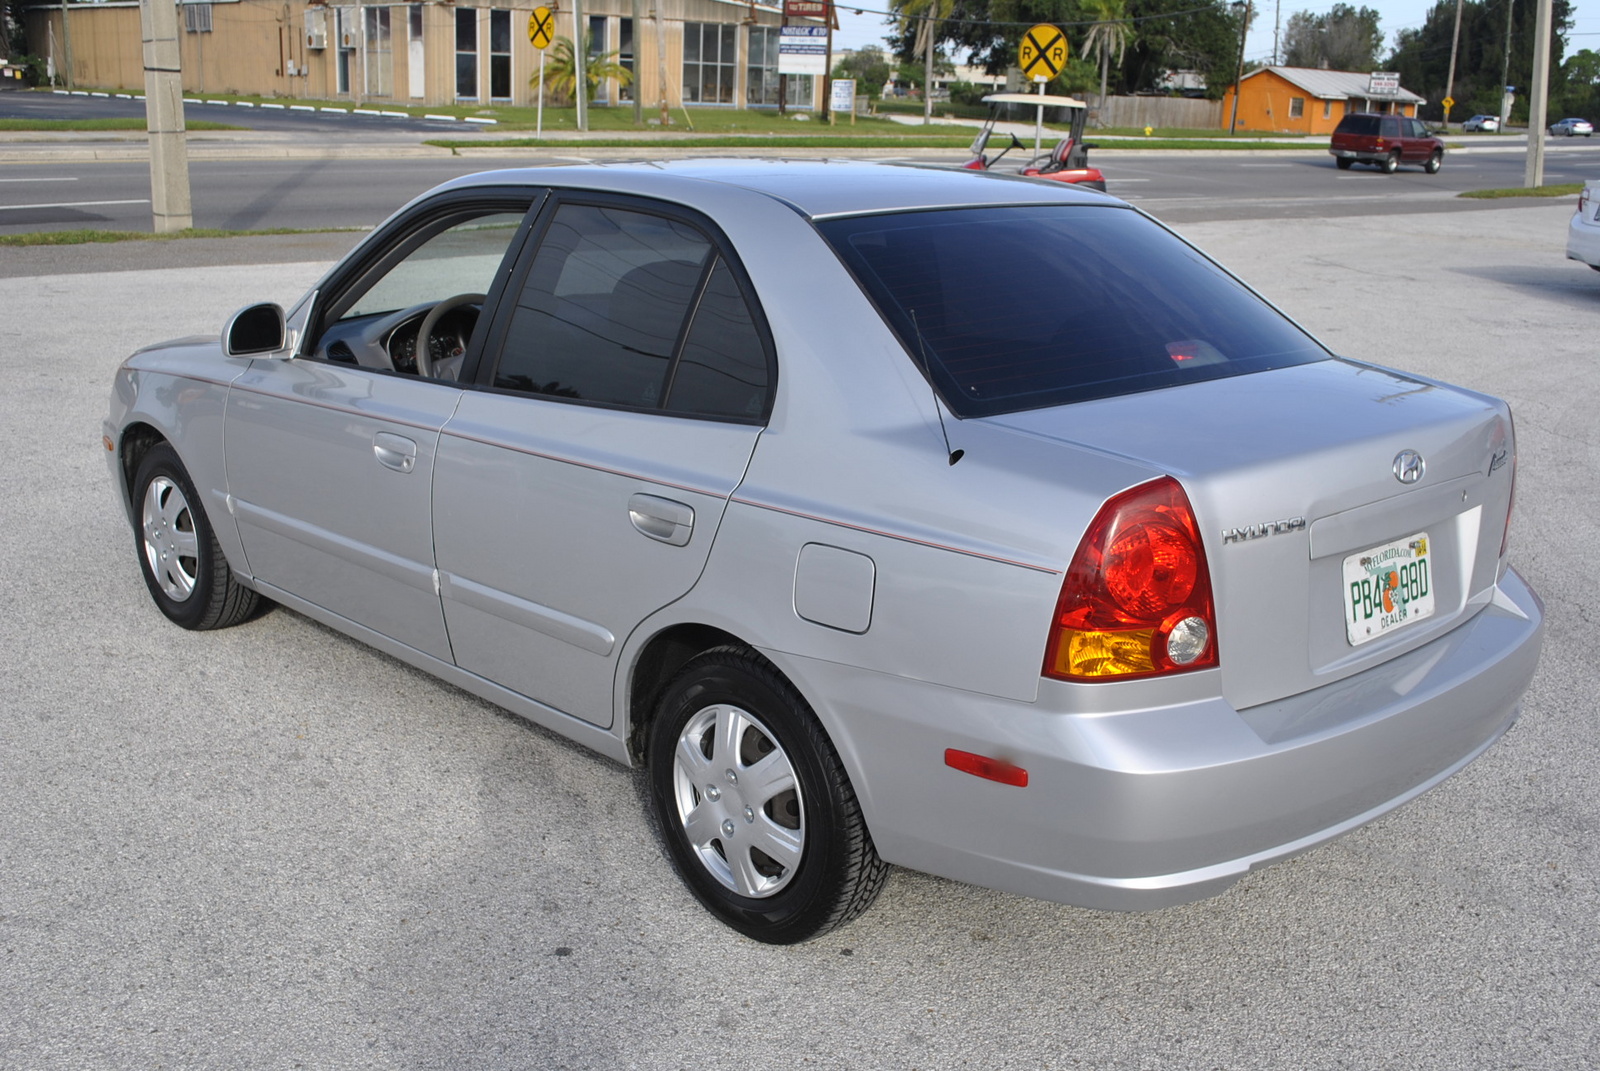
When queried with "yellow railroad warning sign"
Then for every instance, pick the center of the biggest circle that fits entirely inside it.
(1043, 53)
(541, 27)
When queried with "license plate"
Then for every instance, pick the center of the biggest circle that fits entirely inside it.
(1387, 587)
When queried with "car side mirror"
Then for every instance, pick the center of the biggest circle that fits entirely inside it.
(255, 329)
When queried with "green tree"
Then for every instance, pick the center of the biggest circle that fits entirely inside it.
(1422, 55)
(1344, 39)
(1164, 35)
(561, 70)
(1110, 33)
(868, 66)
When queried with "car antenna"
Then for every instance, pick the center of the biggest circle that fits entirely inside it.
(922, 348)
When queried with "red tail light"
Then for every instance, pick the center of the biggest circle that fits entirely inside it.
(1136, 601)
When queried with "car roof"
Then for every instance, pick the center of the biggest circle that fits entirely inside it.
(817, 189)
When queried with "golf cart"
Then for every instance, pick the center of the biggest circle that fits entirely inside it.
(1067, 162)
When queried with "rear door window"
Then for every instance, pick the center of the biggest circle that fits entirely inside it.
(629, 308)
(1018, 308)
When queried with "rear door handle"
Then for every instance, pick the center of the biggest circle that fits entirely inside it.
(662, 518)
(394, 451)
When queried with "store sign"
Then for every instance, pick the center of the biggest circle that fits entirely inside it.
(806, 9)
(1383, 83)
(803, 50)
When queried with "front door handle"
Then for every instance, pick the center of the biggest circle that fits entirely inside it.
(662, 518)
(394, 451)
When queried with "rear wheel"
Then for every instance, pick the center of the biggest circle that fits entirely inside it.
(1390, 163)
(1435, 162)
(178, 554)
(756, 809)
(1343, 162)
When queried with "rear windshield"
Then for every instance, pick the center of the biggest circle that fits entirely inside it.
(1019, 308)
(1358, 124)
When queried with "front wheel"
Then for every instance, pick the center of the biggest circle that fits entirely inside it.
(1391, 163)
(1435, 162)
(178, 554)
(758, 814)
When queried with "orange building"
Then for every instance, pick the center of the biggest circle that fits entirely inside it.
(1305, 100)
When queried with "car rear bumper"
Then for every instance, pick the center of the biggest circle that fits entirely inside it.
(1583, 240)
(1146, 808)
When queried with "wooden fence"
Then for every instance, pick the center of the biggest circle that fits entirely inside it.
(1158, 112)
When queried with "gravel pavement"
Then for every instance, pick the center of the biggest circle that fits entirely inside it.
(271, 847)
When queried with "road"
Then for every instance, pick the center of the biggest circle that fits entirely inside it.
(259, 191)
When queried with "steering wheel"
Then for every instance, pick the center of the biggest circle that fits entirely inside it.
(425, 332)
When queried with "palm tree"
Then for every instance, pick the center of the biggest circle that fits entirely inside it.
(932, 13)
(1110, 33)
(560, 70)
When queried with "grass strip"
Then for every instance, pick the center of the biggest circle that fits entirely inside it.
(820, 141)
(824, 141)
(90, 237)
(1563, 189)
(61, 125)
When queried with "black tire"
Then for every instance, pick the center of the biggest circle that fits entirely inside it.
(1435, 162)
(183, 567)
(1390, 164)
(824, 870)
(1343, 162)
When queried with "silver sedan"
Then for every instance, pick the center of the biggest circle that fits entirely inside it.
(885, 515)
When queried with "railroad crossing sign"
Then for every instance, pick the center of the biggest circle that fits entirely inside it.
(1043, 53)
(541, 27)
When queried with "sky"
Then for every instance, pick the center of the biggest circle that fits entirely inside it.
(868, 28)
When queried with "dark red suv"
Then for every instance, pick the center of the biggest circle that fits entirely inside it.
(1385, 141)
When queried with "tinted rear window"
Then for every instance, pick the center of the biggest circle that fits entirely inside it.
(1019, 308)
(1358, 124)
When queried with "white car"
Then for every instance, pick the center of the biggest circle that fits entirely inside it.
(1488, 124)
(1572, 128)
(1583, 233)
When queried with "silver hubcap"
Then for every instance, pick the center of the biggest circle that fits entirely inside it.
(738, 801)
(170, 546)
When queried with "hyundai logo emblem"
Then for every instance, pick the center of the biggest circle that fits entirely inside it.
(1409, 466)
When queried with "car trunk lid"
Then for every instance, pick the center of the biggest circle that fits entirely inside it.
(1295, 476)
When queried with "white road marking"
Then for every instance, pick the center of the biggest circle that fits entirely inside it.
(73, 204)
(43, 178)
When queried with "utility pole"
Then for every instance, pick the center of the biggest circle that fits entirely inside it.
(1538, 98)
(1233, 123)
(1277, 24)
(163, 108)
(580, 55)
(1505, 69)
(1450, 79)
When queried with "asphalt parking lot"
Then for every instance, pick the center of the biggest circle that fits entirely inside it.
(272, 847)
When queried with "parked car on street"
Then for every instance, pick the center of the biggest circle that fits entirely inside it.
(885, 515)
(1385, 142)
(1486, 124)
(1583, 232)
(1572, 128)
